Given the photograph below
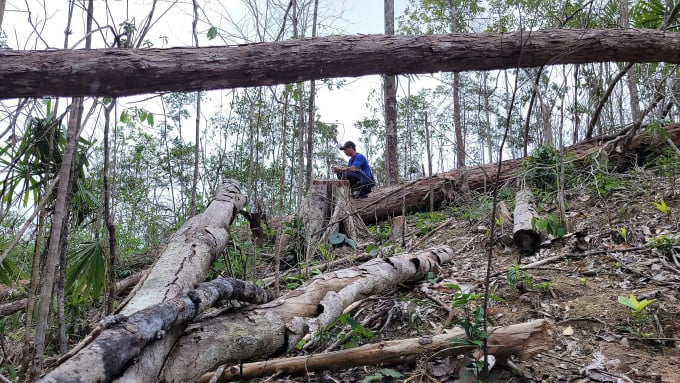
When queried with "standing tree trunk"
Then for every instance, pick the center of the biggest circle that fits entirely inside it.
(54, 246)
(108, 213)
(458, 125)
(390, 89)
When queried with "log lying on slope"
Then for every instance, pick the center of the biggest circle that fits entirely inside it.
(115, 346)
(183, 263)
(387, 202)
(523, 233)
(523, 340)
(275, 328)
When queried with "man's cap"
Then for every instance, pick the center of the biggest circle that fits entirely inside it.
(348, 144)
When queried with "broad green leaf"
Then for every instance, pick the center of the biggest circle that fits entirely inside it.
(212, 33)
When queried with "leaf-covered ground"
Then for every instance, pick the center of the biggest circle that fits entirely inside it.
(621, 242)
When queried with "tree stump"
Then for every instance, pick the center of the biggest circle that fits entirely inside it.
(327, 209)
(523, 234)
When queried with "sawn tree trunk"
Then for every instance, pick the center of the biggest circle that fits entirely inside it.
(123, 72)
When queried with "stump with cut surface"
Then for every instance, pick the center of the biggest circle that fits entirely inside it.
(327, 209)
(523, 233)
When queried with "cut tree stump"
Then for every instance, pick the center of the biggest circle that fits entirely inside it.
(327, 210)
(523, 340)
(523, 233)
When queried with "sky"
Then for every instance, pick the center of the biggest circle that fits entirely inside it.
(348, 105)
(341, 106)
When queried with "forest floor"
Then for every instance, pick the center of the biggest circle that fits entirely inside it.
(619, 245)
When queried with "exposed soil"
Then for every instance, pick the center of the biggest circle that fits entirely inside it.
(606, 255)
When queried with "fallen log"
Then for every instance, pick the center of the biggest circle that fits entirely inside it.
(523, 233)
(387, 202)
(123, 338)
(275, 328)
(523, 340)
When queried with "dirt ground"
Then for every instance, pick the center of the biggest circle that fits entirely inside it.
(607, 254)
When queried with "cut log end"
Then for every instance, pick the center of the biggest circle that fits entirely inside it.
(527, 240)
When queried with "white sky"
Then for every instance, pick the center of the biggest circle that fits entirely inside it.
(344, 106)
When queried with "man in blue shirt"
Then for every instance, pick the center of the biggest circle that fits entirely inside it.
(357, 171)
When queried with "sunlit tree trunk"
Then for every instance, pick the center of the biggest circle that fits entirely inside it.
(458, 125)
(311, 112)
(632, 75)
(390, 89)
(197, 144)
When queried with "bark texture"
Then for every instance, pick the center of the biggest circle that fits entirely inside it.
(523, 340)
(105, 358)
(387, 202)
(523, 234)
(274, 328)
(183, 262)
(122, 72)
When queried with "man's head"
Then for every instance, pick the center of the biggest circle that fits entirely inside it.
(349, 148)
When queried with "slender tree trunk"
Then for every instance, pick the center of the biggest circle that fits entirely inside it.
(197, 144)
(311, 117)
(108, 214)
(390, 89)
(2, 11)
(458, 125)
(61, 209)
(632, 75)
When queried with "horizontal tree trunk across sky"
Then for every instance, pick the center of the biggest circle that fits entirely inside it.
(122, 72)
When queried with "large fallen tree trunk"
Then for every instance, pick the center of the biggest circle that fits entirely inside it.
(186, 257)
(121, 72)
(523, 340)
(118, 344)
(387, 202)
(275, 328)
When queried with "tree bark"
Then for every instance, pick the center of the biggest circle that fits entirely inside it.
(118, 344)
(183, 263)
(122, 72)
(387, 202)
(523, 340)
(275, 328)
(523, 234)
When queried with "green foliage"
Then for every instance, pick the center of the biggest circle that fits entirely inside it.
(86, 274)
(550, 224)
(663, 243)
(667, 164)
(350, 338)
(427, 221)
(518, 277)
(383, 373)
(651, 14)
(639, 320)
(472, 321)
(603, 185)
(661, 206)
(337, 239)
(212, 33)
(541, 168)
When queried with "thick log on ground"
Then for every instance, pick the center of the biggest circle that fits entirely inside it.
(118, 344)
(523, 233)
(186, 257)
(523, 340)
(387, 202)
(275, 328)
(121, 72)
